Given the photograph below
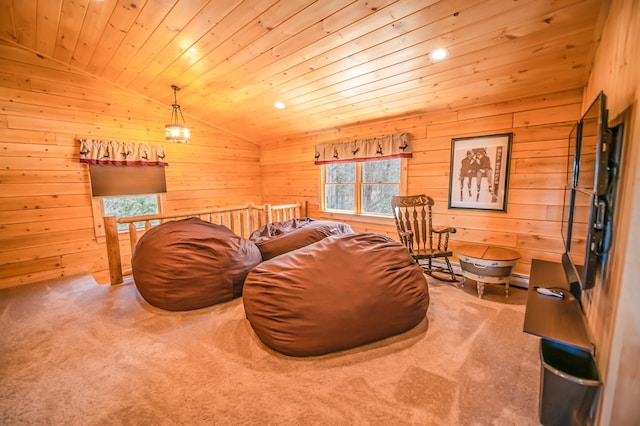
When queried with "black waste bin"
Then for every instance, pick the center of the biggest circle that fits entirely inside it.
(569, 383)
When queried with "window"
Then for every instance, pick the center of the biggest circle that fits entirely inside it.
(125, 191)
(133, 205)
(362, 187)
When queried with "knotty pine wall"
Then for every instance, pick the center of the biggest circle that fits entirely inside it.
(540, 125)
(46, 222)
(612, 308)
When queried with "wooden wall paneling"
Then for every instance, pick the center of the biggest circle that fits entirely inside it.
(540, 164)
(472, 127)
(543, 180)
(13, 230)
(539, 157)
(535, 102)
(38, 189)
(42, 202)
(39, 157)
(41, 214)
(12, 274)
(43, 239)
(46, 251)
(548, 148)
(546, 115)
(83, 262)
(413, 124)
(41, 176)
(612, 309)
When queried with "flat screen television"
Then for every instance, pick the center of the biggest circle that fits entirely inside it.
(585, 211)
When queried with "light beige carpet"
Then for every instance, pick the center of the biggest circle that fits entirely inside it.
(73, 352)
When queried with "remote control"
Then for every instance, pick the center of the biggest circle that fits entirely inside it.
(549, 292)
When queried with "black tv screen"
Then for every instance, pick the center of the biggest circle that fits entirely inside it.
(592, 152)
(586, 231)
(584, 213)
(570, 181)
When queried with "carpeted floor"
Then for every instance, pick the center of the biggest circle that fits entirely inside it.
(73, 352)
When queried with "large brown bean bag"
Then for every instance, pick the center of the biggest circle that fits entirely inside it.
(277, 238)
(190, 263)
(335, 294)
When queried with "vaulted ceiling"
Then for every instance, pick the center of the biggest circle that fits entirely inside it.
(332, 62)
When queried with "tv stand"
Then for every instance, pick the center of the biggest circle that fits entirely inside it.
(552, 318)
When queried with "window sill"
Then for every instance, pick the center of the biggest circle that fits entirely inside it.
(358, 218)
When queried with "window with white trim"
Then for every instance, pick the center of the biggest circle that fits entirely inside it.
(363, 187)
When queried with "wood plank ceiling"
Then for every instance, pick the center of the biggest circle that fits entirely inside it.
(332, 62)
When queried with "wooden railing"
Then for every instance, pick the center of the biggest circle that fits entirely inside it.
(241, 220)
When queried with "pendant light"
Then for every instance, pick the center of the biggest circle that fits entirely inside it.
(176, 132)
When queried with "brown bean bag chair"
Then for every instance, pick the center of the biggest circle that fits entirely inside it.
(338, 293)
(190, 263)
(277, 238)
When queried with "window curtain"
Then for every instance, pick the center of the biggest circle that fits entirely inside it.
(380, 148)
(116, 153)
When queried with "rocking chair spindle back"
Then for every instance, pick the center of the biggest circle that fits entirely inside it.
(414, 221)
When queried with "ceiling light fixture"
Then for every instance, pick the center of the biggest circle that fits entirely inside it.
(439, 54)
(279, 105)
(176, 132)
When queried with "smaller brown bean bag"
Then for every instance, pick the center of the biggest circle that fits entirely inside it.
(338, 293)
(277, 238)
(189, 264)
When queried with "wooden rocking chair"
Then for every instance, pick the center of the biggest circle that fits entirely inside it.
(413, 220)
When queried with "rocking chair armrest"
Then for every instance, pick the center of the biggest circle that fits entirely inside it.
(448, 230)
(406, 233)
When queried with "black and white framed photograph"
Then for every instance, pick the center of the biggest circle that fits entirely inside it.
(479, 173)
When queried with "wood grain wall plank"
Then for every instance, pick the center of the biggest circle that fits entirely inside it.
(531, 224)
(45, 200)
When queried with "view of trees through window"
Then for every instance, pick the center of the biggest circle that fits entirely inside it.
(376, 182)
(134, 205)
(340, 186)
(380, 182)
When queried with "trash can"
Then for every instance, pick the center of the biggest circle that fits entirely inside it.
(569, 383)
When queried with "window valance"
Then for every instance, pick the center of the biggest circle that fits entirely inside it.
(380, 148)
(121, 153)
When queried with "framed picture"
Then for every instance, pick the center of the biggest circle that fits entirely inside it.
(479, 173)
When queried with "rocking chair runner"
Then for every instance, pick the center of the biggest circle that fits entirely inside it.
(413, 220)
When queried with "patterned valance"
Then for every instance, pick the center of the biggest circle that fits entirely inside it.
(121, 153)
(380, 148)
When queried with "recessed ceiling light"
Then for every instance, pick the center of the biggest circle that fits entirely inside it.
(279, 105)
(439, 54)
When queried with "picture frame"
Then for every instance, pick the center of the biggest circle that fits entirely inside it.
(479, 172)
